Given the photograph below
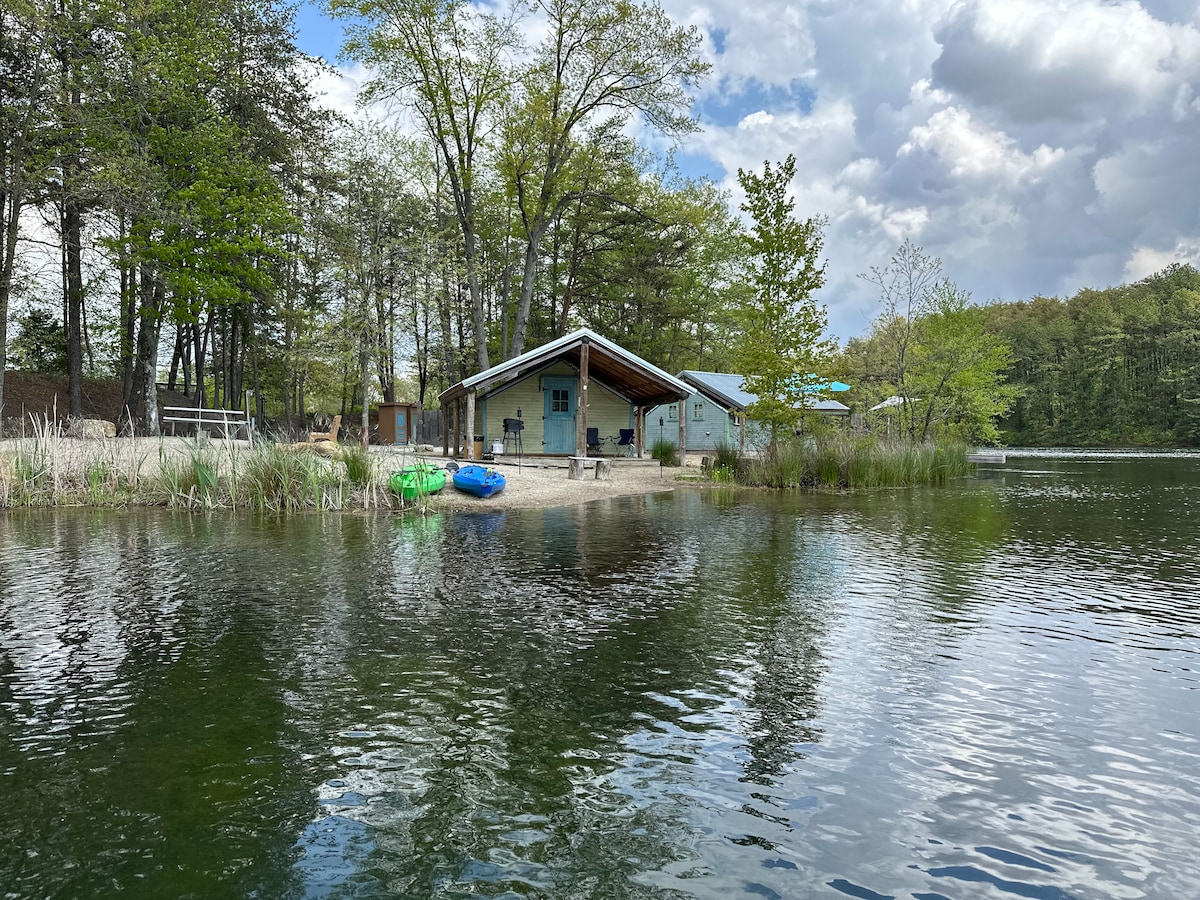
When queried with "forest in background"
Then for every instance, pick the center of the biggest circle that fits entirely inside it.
(176, 206)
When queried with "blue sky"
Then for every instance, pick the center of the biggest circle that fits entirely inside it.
(1034, 146)
(317, 34)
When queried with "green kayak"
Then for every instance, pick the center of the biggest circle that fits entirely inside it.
(417, 480)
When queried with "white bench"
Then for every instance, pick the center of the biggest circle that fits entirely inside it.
(225, 419)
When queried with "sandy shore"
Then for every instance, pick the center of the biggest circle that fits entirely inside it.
(535, 487)
(541, 483)
(529, 485)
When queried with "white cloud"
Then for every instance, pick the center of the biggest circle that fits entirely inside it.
(1071, 59)
(1036, 146)
(1145, 261)
(966, 149)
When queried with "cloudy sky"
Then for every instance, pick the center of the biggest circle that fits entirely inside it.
(1035, 146)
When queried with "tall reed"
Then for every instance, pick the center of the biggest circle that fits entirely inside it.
(848, 461)
(665, 452)
(279, 478)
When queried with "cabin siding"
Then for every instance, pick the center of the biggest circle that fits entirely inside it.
(607, 411)
(718, 426)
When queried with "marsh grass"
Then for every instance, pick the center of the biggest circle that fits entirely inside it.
(665, 452)
(44, 469)
(846, 461)
(283, 479)
(359, 467)
(189, 483)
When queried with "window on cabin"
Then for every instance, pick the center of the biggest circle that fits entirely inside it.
(698, 412)
(672, 413)
(560, 400)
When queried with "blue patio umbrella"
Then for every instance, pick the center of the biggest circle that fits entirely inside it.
(820, 384)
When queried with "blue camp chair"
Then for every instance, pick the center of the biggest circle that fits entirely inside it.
(624, 445)
(593, 442)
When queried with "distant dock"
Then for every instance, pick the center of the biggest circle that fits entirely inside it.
(990, 457)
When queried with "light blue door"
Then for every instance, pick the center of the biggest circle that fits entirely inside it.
(401, 427)
(558, 415)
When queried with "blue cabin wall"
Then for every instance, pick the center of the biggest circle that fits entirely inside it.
(716, 426)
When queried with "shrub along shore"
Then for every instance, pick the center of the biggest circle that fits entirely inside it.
(843, 461)
(45, 470)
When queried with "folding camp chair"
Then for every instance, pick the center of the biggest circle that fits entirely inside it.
(624, 445)
(593, 441)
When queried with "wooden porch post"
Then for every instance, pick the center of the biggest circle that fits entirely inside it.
(742, 433)
(469, 434)
(445, 430)
(581, 417)
(639, 430)
(682, 431)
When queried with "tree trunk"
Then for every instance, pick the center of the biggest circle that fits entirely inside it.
(72, 228)
(365, 373)
(145, 401)
(128, 317)
(528, 277)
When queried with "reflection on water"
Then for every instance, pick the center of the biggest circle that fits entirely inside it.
(985, 690)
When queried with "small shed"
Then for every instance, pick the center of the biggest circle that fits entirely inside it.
(398, 422)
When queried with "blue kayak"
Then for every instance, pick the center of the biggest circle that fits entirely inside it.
(479, 481)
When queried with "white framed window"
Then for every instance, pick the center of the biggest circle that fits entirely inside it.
(698, 411)
(672, 413)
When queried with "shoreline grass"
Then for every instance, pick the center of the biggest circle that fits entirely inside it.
(843, 462)
(45, 470)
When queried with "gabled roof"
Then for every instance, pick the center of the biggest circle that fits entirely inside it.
(616, 367)
(726, 389)
(720, 386)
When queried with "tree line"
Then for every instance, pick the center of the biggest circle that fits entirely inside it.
(178, 206)
(1111, 367)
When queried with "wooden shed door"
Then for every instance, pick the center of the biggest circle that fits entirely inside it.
(559, 415)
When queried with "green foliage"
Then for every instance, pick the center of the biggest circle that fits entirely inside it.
(282, 479)
(848, 461)
(932, 349)
(1116, 367)
(40, 345)
(665, 452)
(781, 324)
(189, 482)
(600, 62)
(359, 468)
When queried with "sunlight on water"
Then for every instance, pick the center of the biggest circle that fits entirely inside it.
(985, 690)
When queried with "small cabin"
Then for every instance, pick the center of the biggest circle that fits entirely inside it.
(565, 394)
(714, 414)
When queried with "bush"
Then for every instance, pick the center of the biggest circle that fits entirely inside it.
(846, 461)
(358, 465)
(665, 452)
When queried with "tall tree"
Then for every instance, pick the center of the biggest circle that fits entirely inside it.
(25, 60)
(957, 366)
(448, 60)
(601, 62)
(906, 286)
(782, 324)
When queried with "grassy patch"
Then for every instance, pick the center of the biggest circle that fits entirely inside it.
(846, 461)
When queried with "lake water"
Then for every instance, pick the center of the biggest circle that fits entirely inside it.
(984, 691)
